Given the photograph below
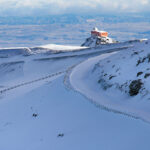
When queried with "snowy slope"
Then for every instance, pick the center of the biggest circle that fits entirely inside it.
(120, 70)
(16, 64)
(97, 41)
(13, 51)
(61, 47)
(38, 110)
(122, 79)
(82, 125)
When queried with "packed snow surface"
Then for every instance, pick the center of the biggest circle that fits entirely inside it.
(62, 47)
(122, 79)
(40, 109)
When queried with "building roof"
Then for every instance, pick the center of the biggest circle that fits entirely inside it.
(96, 29)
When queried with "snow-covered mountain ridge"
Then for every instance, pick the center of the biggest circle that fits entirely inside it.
(98, 38)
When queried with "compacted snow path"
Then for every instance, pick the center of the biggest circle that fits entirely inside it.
(84, 81)
(31, 82)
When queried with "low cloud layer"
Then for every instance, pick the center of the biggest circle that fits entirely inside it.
(28, 7)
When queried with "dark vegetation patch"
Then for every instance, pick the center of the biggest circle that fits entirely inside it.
(139, 73)
(146, 75)
(141, 60)
(34, 115)
(138, 62)
(60, 135)
(135, 53)
(148, 56)
(135, 87)
(111, 76)
(104, 84)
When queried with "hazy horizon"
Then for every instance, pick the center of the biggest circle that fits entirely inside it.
(57, 7)
(36, 22)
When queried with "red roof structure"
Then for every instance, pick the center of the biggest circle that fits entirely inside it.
(96, 32)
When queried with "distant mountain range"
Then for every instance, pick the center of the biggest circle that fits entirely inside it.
(73, 19)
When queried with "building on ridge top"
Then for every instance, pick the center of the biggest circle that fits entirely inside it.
(98, 38)
(96, 32)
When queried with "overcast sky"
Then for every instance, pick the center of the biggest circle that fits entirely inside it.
(27, 7)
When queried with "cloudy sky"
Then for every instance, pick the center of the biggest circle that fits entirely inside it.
(28, 7)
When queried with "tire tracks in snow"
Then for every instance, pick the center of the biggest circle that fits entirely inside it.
(30, 82)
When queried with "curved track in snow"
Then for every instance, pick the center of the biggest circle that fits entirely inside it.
(81, 80)
(31, 82)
